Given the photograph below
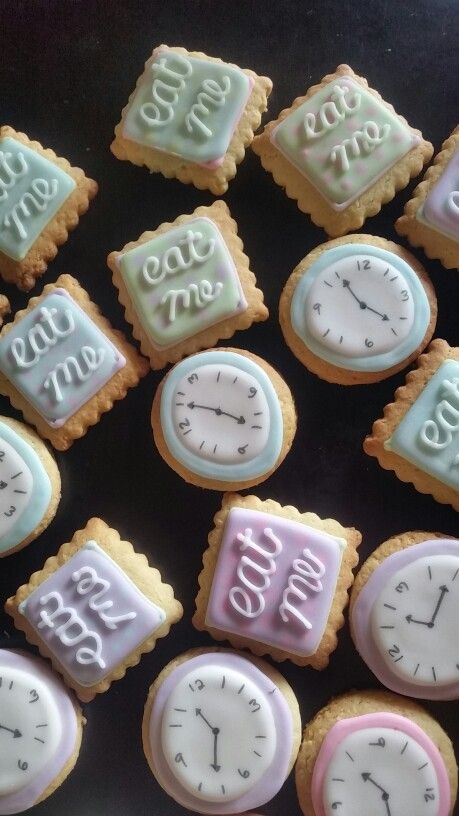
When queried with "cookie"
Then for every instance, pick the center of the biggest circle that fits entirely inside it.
(187, 285)
(42, 727)
(63, 365)
(41, 199)
(94, 609)
(404, 613)
(431, 217)
(417, 438)
(191, 117)
(358, 309)
(341, 151)
(371, 752)
(30, 486)
(223, 419)
(275, 580)
(221, 731)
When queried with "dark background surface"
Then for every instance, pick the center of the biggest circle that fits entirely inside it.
(66, 70)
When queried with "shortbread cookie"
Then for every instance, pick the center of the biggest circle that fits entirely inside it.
(187, 285)
(431, 218)
(94, 609)
(276, 581)
(417, 438)
(221, 731)
(41, 199)
(223, 419)
(30, 486)
(341, 151)
(358, 309)
(42, 727)
(404, 613)
(63, 365)
(371, 752)
(191, 117)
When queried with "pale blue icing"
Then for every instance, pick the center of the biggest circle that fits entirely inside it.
(30, 199)
(378, 362)
(40, 497)
(407, 441)
(214, 470)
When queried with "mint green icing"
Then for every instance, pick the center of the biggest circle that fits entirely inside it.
(32, 190)
(186, 106)
(182, 282)
(428, 435)
(342, 139)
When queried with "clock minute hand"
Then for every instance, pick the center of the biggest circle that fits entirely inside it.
(384, 795)
(430, 624)
(218, 411)
(14, 731)
(362, 304)
(215, 764)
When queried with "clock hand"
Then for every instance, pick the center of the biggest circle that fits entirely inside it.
(362, 304)
(215, 732)
(13, 731)
(218, 411)
(430, 624)
(199, 713)
(367, 778)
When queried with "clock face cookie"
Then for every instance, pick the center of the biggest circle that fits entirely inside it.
(29, 486)
(404, 615)
(358, 309)
(193, 712)
(40, 731)
(223, 417)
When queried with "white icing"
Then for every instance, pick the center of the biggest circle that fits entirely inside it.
(212, 95)
(218, 767)
(247, 566)
(16, 485)
(30, 728)
(332, 112)
(306, 576)
(9, 174)
(187, 253)
(453, 202)
(369, 774)
(424, 590)
(72, 370)
(334, 315)
(42, 193)
(42, 336)
(166, 87)
(362, 142)
(72, 630)
(87, 581)
(220, 413)
(437, 434)
(196, 295)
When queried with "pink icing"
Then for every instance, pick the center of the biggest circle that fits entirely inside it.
(381, 719)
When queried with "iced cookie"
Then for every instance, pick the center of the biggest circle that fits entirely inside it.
(431, 218)
(404, 613)
(221, 731)
(94, 609)
(372, 752)
(187, 285)
(341, 151)
(63, 365)
(30, 486)
(276, 581)
(417, 438)
(40, 731)
(358, 309)
(41, 199)
(223, 419)
(191, 117)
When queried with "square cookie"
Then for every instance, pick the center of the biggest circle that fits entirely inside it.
(275, 580)
(431, 218)
(418, 436)
(341, 151)
(191, 117)
(187, 285)
(94, 609)
(63, 365)
(41, 199)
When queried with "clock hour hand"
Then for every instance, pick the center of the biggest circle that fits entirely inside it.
(384, 795)
(14, 731)
(215, 732)
(218, 411)
(362, 304)
(430, 624)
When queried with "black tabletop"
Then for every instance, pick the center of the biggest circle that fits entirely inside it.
(67, 68)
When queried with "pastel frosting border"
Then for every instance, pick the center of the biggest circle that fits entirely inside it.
(223, 472)
(26, 797)
(361, 619)
(379, 362)
(381, 719)
(274, 777)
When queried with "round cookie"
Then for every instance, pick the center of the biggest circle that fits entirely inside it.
(358, 309)
(223, 419)
(30, 486)
(372, 749)
(404, 612)
(40, 731)
(221, 731)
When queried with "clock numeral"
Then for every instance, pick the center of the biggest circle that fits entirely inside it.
(395, 650)
(402, 587)
(317, 307)
(34, 696)
(22, 765)
(179, 758)
(429, 797)
(405, 295)
(10, 512)
(252, 392)
(184, 424)
(335, 805)
(380, 742)
(198, 683)
(242, 449)
(254, 705)
(3, 485)
(369, 343)
(2, 456)
(244, 774)
(365, 265)
(192, 378)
